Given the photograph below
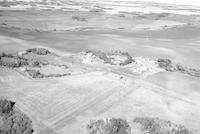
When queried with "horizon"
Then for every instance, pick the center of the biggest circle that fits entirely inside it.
(178, 2)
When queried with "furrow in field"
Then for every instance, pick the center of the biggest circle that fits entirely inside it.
(62, 107)
(69, 108)
(97, 99)
(115, 98)
(78, 109)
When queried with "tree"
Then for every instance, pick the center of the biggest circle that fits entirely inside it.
(13, 121)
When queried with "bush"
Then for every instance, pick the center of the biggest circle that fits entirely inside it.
(158, 126)
(58, 75)
(9, 62)
(6, 55)
(122, 16)
(38, 51)
(109, 126)
(108, 59)
(194, 72)
(180, 68)
(167, 65)
(128, 60)
(97, 10)
(37, 63)
(153, 16)
(12, 60)
(34, 73)
(34, 63)
(6, 106)
(103, 56)
(78, 18)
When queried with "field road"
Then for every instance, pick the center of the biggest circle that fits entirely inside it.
(94, 99)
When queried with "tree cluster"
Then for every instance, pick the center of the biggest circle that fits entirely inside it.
(109, 60)
(13, 121)
(109, 126)
(15, 60)
(158, 126)
(168, 65)
(34, 73)
(12, 60)
(38, 51)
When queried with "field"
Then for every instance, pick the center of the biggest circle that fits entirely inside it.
(94, 90)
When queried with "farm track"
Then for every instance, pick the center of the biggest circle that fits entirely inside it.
(60, 112)
(108, 69)
(76, 104)
(107, 104)
(77, 110)
(80, 101)
(162, 91)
